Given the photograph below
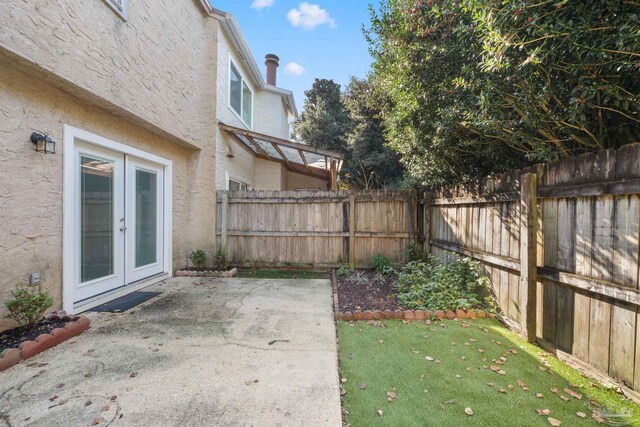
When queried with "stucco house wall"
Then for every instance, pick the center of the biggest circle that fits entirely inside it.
(296, 181)
(148, 83)
(268, 175)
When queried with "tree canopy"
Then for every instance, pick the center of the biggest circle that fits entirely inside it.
(481, 86)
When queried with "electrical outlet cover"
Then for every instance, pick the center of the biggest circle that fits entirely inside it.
(35, 279)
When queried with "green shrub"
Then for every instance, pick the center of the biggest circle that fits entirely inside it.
(415, 252)
(381, 263)
(221, 261)
(357, 277)
(343, 271)
(434, 285)
(28, 305)
(198, 258)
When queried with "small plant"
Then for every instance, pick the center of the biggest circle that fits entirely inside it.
(436, 285)
(415, 252)
(380, 278)
(198, 258)
(381, 263)
(357, 277)
(221, 261)
(28, 305)
(343, 271)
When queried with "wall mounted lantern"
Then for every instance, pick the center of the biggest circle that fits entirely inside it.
(43, 143)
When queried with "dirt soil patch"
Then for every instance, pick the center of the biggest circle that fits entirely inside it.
(369, 295)
(13, 337)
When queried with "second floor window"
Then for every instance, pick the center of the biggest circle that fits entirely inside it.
(240, 96)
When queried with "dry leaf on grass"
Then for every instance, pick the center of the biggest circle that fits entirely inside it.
(343, 391)
(581, 414)
(573, 393)
(429, 358)
(554, 422)
(391, 395)
(543, 411)
(565, 398)
(468, 411)
(554, 390)
(362, 386)
(379, 412)
(539, 395)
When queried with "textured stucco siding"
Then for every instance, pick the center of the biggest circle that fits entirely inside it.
(270, 115)
(268, 175)
(156, 65)
(31, 183)
(296, 181)
(241, 166)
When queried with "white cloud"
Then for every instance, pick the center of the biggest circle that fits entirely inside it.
(294, 69)
(310, 16)
(261, 4)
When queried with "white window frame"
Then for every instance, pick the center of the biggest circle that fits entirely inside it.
(69, 228)
(120, 7)
(231, 177)
(243, 81)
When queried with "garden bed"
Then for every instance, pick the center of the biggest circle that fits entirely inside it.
(22, 343)
(370, 295)
(205, 272)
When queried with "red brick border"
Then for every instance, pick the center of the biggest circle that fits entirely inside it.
(411, 315)
(27, 349)
(207, 273)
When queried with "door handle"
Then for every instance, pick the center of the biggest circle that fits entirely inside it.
(123, 228)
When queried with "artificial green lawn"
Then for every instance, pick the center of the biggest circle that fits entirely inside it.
(282, 274)
(429, 393)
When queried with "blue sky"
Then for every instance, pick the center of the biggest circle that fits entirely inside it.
(322, 36)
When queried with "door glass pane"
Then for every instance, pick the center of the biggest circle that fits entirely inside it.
(97, 223)
(146, 217)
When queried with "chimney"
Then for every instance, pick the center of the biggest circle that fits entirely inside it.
(272, 62)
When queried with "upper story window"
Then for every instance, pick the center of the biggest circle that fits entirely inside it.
(240, 95)
(119, 6)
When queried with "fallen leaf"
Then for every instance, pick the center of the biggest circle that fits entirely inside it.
(594, 403)
(437, 362)
(458, 376)
(501, 372)
(554, 422)
(87, 403)
(542, 368)
(380, 341)
(113, 398)
(573, 393)
(480, 350)
(60, 386)
(501, 390)
(97, 421)
(343, 380)
(581, 414)
(539, 395)
(391, 396)
(105, 408)
(62, 402)
(379, 412)
(490, 384)
(554, 390)
(342, 391)
(511, 387)
(415, 351)
(133, 375)
(429, 358)
(468, 411)
(597, 418)
(494, 368)
(565, 398)
(543, 411)
(473, 339)
(362, 386)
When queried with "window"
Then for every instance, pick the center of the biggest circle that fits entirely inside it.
(240, 96)
(234, 184)
(119, 6)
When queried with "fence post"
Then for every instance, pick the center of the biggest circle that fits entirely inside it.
(224, 221)
(528, 255)
(352, 230)
(426, 223)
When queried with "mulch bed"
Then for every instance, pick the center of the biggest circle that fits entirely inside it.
(13, 337)
(367, 296)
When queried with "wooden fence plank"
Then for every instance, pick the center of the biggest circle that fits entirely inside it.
(528, 255)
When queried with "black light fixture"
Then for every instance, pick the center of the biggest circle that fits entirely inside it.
(44, 143)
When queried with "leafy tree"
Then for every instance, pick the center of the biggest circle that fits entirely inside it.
(479, 86)
(325, 120)
(369, 162)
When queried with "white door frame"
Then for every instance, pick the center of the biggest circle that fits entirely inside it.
(70, 220)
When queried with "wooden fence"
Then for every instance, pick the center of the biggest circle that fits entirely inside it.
(313, 229)
(560, 243)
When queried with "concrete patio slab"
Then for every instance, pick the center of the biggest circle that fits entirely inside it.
(212, 352)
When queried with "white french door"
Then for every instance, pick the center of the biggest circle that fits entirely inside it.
(120, 205)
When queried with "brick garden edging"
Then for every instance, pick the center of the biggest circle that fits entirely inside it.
(207, 273)
(411, 314)
(75, 326)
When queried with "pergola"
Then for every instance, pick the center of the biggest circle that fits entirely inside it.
(295, 157)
